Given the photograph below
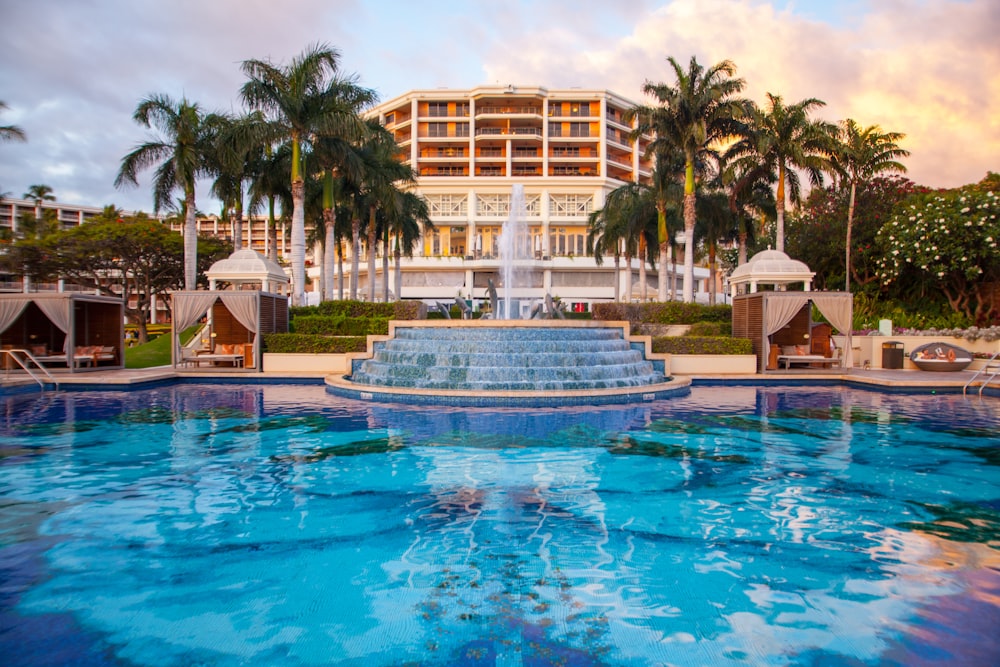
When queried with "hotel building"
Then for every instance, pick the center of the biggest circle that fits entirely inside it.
(567, 149)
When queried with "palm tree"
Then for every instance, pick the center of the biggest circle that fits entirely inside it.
(717, 223)
(269, 186)
(184, 148)
(304, 100)
(11, 132)
(697, 112)
(782, 139)
(860, 154)
(408, 221)
(629, 220)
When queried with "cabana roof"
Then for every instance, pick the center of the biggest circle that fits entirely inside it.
(770, 267)
(248, 266)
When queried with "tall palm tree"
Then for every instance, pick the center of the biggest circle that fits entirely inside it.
(783, 139)
(304, 100)
(270, 188)
(11, 132)
(184, 147)
(859, 155)
(694, 114)
(717, 223)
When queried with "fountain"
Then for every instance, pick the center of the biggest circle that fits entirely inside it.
(512, 235)
(507, 361)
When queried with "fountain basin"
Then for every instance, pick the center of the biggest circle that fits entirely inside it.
(516, 363)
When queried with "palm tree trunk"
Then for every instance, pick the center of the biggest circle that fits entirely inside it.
(330, 241)
(272, 231)
(664, 241)
(385, 266)
(371, 254)
(643, 287)
(712, 271)
(397, 257)
(618, 277)
(297, 250)
(847, 245)
(190, 241)
(742, 253)
(779, 234)
(628, 278)
(355, 252)
(340, 270)
(687, 294)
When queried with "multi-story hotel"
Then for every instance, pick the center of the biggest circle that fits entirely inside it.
(567, 149)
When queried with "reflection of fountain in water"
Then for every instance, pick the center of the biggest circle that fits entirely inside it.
(513, 246)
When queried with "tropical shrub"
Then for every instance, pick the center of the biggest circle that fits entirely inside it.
(948, 241)
(311, 344)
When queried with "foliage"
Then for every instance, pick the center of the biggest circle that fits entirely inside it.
(947, 241)
(339, 325)
(134, 258)
(701, 345)
(309, 344)
(666, 312)
(817, 231)
(719, 328)
(396, 310)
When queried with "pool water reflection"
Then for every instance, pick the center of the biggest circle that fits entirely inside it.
(278, 525)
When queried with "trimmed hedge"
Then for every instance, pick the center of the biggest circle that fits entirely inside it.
(339, 325)
(711, 329)
(310, 344)
(701, 345)
(667, 312)
(395, 310)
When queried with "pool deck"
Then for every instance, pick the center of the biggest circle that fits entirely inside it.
(897, 380)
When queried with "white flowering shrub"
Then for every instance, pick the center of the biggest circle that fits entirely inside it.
(950, 239)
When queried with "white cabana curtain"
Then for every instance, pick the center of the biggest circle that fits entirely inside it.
(58, 311)
(188, 308)
(778, 313)
(840, 311)
(10, 310)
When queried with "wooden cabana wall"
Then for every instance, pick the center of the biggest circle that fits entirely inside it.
(785, 318)
(237, 317)
(49, 325)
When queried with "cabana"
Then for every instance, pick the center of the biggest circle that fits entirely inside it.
(68, 330)
(779, 323)
(235, 321)
(780, 327)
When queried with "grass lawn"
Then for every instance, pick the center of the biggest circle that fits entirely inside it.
(156, 352)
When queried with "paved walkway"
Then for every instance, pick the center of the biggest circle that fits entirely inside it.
(894, 379)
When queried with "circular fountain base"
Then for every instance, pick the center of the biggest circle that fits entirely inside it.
(513, 363)
(340, 385)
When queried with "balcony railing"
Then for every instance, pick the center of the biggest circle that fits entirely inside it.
(522, 131)
(508, 110)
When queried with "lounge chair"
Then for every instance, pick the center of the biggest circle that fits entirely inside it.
(940, 357)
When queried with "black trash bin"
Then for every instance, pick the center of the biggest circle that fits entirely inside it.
(892, 355)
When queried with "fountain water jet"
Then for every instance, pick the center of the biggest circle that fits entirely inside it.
(512, 248)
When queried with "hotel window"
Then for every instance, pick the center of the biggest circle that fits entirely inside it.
(390, 118)
(581, 109)
(525, 151)
(579, 129)
(438, 109)
(461, 109)
(437, 129)
(566, 151)
(491, 171)
(555, 129)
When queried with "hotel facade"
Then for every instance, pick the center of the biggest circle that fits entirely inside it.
(473, 149)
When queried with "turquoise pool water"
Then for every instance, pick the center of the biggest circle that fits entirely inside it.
(278, 525)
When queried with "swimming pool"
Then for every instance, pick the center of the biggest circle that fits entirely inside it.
(279, 525)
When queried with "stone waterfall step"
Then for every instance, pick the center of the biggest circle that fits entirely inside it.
(507, 359)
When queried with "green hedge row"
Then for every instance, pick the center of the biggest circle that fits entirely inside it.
(339, 325)
(666, 312)
(711, 329)
(311, 344)
(701, 345)
(395, 310)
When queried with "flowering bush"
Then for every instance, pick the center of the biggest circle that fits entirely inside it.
(951, 239)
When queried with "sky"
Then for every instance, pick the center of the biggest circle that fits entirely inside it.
(73, 71)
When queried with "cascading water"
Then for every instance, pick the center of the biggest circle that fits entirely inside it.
(513, 239)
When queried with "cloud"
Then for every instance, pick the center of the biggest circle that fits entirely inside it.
(930, 70)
